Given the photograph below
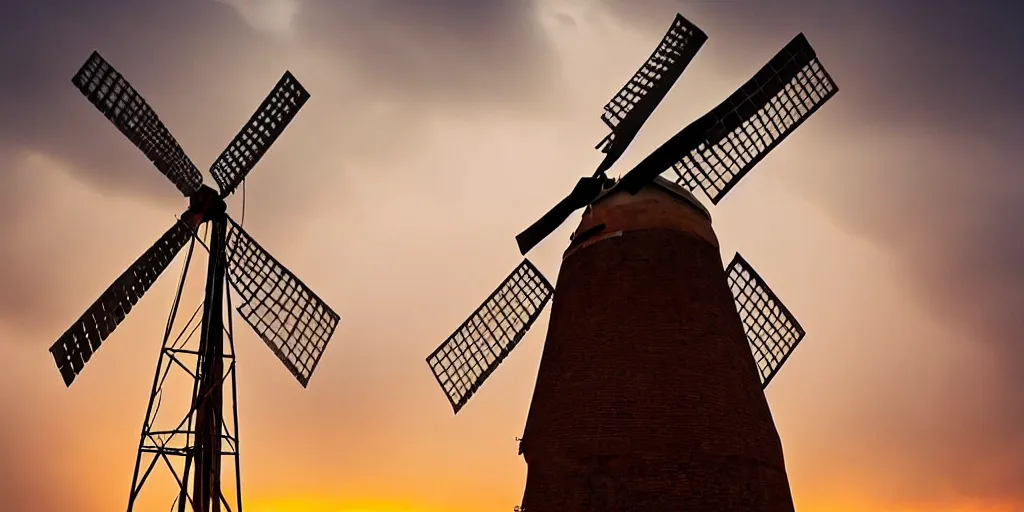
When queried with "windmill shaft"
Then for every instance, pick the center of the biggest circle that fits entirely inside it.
(210, 396)
(648, 397)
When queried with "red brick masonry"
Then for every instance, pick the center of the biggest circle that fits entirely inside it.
(648, 398)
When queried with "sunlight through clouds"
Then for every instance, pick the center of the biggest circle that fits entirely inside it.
(274, 16)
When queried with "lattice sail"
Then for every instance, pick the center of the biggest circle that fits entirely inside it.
(629, 109)
(75, 347)
(755, 119)
(482, 342)
(772, 331)
(255, 138)
(292, 320)
(119, 102)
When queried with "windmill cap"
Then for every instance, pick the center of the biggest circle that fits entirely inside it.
(667, 185)
(661, 206)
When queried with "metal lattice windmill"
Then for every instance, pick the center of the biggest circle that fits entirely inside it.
(293, 321)
(646, 396)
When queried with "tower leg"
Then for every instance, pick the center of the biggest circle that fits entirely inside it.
(192, 450)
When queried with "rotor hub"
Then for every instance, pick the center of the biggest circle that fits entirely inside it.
(206, 204)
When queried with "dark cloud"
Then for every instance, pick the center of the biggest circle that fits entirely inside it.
(42, 44)
(178, 54)
(449, 50)
(945, 62)
(927, 130)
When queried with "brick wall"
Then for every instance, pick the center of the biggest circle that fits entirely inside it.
(647, 396)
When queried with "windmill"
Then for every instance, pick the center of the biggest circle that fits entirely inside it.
(646, 397)
(292, 320)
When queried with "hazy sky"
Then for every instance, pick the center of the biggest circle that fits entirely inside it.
(890, 224)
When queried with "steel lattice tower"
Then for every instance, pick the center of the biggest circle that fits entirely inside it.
(292, 320)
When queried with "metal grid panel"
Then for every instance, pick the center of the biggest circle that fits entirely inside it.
(482, 342)
(75, 347)
(122, 105)
(740, 131)
(772, 331)
(255, 138)
(635, 102)
(292, 320)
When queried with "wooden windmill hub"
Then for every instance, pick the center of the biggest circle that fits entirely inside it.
(660, 205)
(647, 396)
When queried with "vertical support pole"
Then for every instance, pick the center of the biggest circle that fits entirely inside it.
(209, 420)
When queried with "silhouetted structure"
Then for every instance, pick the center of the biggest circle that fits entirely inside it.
(647, 397)
(286, 314)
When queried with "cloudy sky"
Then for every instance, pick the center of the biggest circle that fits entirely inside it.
(890, 224)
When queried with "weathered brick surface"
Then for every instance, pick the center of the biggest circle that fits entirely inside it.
(648, 398)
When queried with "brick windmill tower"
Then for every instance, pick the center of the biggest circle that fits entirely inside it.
(649, 395)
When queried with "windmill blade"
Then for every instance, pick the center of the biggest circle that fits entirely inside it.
(629, 109)
(772, 331)
(75, 347)
(721, 147)
(484, 340)
(255, 138)
(292, 320)
(755, 119)
(119, 102)
(586, 190)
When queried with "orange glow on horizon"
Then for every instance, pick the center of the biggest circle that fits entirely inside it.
(323, 504)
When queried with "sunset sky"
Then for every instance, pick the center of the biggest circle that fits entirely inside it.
(890, 224)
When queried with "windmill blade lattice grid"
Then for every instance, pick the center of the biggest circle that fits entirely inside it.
(771, 329)
(653, 80)
(255, 138)
(75, 347)
(740, 131)
(292, 320)
(485, 339)
(119, 102)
